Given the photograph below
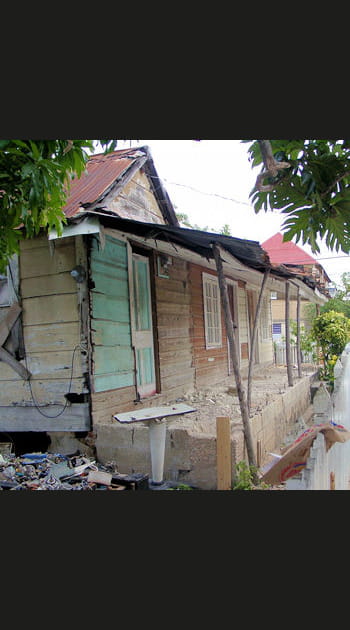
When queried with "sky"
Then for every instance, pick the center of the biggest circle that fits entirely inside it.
(210, 181)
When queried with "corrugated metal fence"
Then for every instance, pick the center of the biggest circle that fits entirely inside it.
(329, 470)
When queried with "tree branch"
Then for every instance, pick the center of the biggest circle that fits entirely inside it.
(271, 165)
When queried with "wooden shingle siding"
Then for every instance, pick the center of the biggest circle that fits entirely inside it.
(113, 358)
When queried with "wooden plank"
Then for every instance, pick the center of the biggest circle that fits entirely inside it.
(55, 364)
(16, 391)
(176, 380)
(51, 337)
(48, 285)
(14, 364)
(33, 243)
(50, 309)
(39, 262)
(223, 453)
(113, 359)
(167, 308)
(76, 417)
(112, 399)
(175, 368)
(106, 307)
(106, 382)
(108, 333)
(7, 323)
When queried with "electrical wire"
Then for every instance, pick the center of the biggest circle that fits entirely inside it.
(69, 388)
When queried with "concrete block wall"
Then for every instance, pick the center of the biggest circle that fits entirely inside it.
(190, 457)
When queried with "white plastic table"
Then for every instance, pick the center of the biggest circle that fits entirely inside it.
(156, 417)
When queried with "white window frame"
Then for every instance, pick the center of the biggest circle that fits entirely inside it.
(212, 311)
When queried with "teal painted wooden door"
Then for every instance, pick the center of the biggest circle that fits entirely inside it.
(142, 327)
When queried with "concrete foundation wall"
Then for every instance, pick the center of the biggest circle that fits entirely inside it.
(190, 457)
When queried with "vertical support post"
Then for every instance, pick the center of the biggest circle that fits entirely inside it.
(258, 453)
(298, 335)
(288, 352)
(157, 432)
(223, 453)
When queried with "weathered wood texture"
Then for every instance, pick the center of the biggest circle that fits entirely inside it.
(174, 325)
(211, 365)
(76, 417)
(174, 320)
(135, 201)
(113, 358)
(51, 331)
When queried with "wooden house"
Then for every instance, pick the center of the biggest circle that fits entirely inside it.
(122, 310)
(296, 260)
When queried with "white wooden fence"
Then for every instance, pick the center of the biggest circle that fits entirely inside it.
(329, 470)
(280, 354)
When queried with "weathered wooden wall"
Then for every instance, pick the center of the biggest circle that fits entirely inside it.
(135, 201)
(173, 321)
(243, 326)
(210, 365)
(112, 359)
(175, 329)
(51, 331)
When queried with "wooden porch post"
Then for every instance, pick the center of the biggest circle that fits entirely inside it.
(298, 334)
(255, 332)
(234, 358)
(288, 353)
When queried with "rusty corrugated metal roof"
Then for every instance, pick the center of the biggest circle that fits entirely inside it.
(102, 170)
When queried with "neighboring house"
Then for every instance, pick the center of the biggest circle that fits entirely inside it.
(296, 260)
(122, 311)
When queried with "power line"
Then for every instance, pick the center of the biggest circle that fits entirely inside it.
(208, 194)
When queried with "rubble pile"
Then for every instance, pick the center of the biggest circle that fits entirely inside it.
(54, 471)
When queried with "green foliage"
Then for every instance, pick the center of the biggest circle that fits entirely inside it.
(35, 177)
(341, 301)
(226, 230)
(184, 219)
(313, 192)
(331, 330)
(244, 478)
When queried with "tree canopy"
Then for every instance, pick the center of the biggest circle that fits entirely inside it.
(309, 182)
(34, 183)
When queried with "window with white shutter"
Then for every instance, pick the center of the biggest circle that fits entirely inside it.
(212, 311)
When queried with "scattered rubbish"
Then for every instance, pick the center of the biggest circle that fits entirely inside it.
(54, 471)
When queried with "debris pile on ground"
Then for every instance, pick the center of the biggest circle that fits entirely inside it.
(54, 471)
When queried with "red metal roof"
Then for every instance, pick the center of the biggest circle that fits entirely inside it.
(101, 171)
(286, 253)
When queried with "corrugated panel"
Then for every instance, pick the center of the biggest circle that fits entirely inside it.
(101, 171)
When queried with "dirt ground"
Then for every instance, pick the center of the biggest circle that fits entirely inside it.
(223, 401)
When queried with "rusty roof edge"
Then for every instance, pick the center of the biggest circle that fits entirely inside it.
(159, 191)
(121, 181)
